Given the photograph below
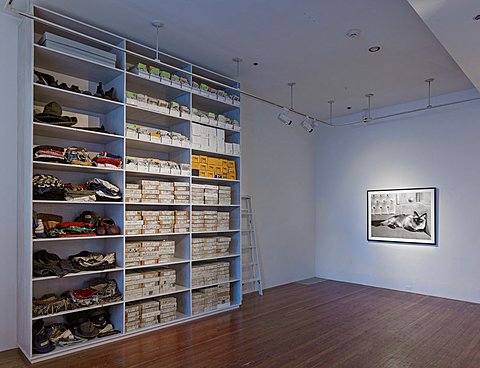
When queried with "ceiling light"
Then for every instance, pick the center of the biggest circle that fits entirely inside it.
(374, 48)
(284, 119)
(307, 125)
(353, 33)
(477, 17)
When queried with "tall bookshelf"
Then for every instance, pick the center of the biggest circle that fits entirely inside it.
(114, 115)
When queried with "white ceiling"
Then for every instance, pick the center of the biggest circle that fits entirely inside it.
(302, 41)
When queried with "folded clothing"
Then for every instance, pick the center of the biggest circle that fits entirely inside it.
(104, 190)
(49, 153)
(106, 159)
(78, 156)
(98, 291)
(48, 187)
(50, 264)
(89, 261)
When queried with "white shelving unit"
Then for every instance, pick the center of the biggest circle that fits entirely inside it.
(95, 111)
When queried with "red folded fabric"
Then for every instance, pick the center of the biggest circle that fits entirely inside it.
(108, 161)
(76, 235)
(63, 225)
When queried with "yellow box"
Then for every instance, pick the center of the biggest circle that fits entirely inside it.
(210, 174)
(224, 171)
(232, 171)
(224, 163)
(232, 176)
(211, 160)
(195, 159)
(218, 170)
(202, 167)
(202, 173)
(203, 159)
(231, 164)
(195, 166)
(211, 168)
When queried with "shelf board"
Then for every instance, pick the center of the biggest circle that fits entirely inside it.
(204, 103)
(144, 115)
(61, 62)
(201, 179)
(215, 284)
(74, 134)
(141, 174)
(174, 261)
(153, 88)
(217, 257)
(75, 168)
(214, 232)
(180, 317)
(46, 240)
(78, 310)
(213, 154)
(71, 202)
(178, 289)
(138, 144)
(157, 204)
(230, 131)
(153, 235)
(61, 350)
(218, 310)
(76, 101)
(215, 205)
(82, 273)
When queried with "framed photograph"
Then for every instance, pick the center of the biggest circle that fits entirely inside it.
(402, 215)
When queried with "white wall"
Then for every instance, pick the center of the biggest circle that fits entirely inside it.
(278, 172)
(8, 184)
(439, 148)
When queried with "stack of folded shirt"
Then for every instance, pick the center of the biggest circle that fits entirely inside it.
(104, 190)
(48, 187)
(105, 159)
(72, 229)
(49, 153)
(80, 193)
(78, 156)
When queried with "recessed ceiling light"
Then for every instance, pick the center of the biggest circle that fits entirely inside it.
(374, 48)
(255, 64)
(477, 17)
(349, 107)
(353, 33)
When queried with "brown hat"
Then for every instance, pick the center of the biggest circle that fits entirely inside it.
(52, 114)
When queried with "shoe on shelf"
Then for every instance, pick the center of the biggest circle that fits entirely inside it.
(110, 95)
(100, 93)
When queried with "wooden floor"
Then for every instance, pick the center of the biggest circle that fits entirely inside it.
(329, 324)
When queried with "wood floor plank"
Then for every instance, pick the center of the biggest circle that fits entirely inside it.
(325, 325)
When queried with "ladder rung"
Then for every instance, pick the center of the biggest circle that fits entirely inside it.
(250, 280)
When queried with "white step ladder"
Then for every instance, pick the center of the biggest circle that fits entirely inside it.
(251, 277)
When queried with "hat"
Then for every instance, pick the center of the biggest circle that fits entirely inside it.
(87, 330)
(99, 318)
(42, 345)
(52, 113)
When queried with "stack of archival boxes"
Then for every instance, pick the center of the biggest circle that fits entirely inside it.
(149, 313)
(210, 298)
(149, 191)
(210, 221)
(144, 253)
(211, 194)
(156, 222)
(145, 284)
(211, 167)
(210, 247)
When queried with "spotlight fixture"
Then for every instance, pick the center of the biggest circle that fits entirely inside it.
(307, 125)
(374, 48)
(284, 119)
(353, 33)
(476, 17)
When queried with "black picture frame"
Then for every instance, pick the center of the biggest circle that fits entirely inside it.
(404, 215)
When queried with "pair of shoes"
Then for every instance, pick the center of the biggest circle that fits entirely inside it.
(48, 80)
(109, 95)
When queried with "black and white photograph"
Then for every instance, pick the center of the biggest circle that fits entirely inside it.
(402, 215)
